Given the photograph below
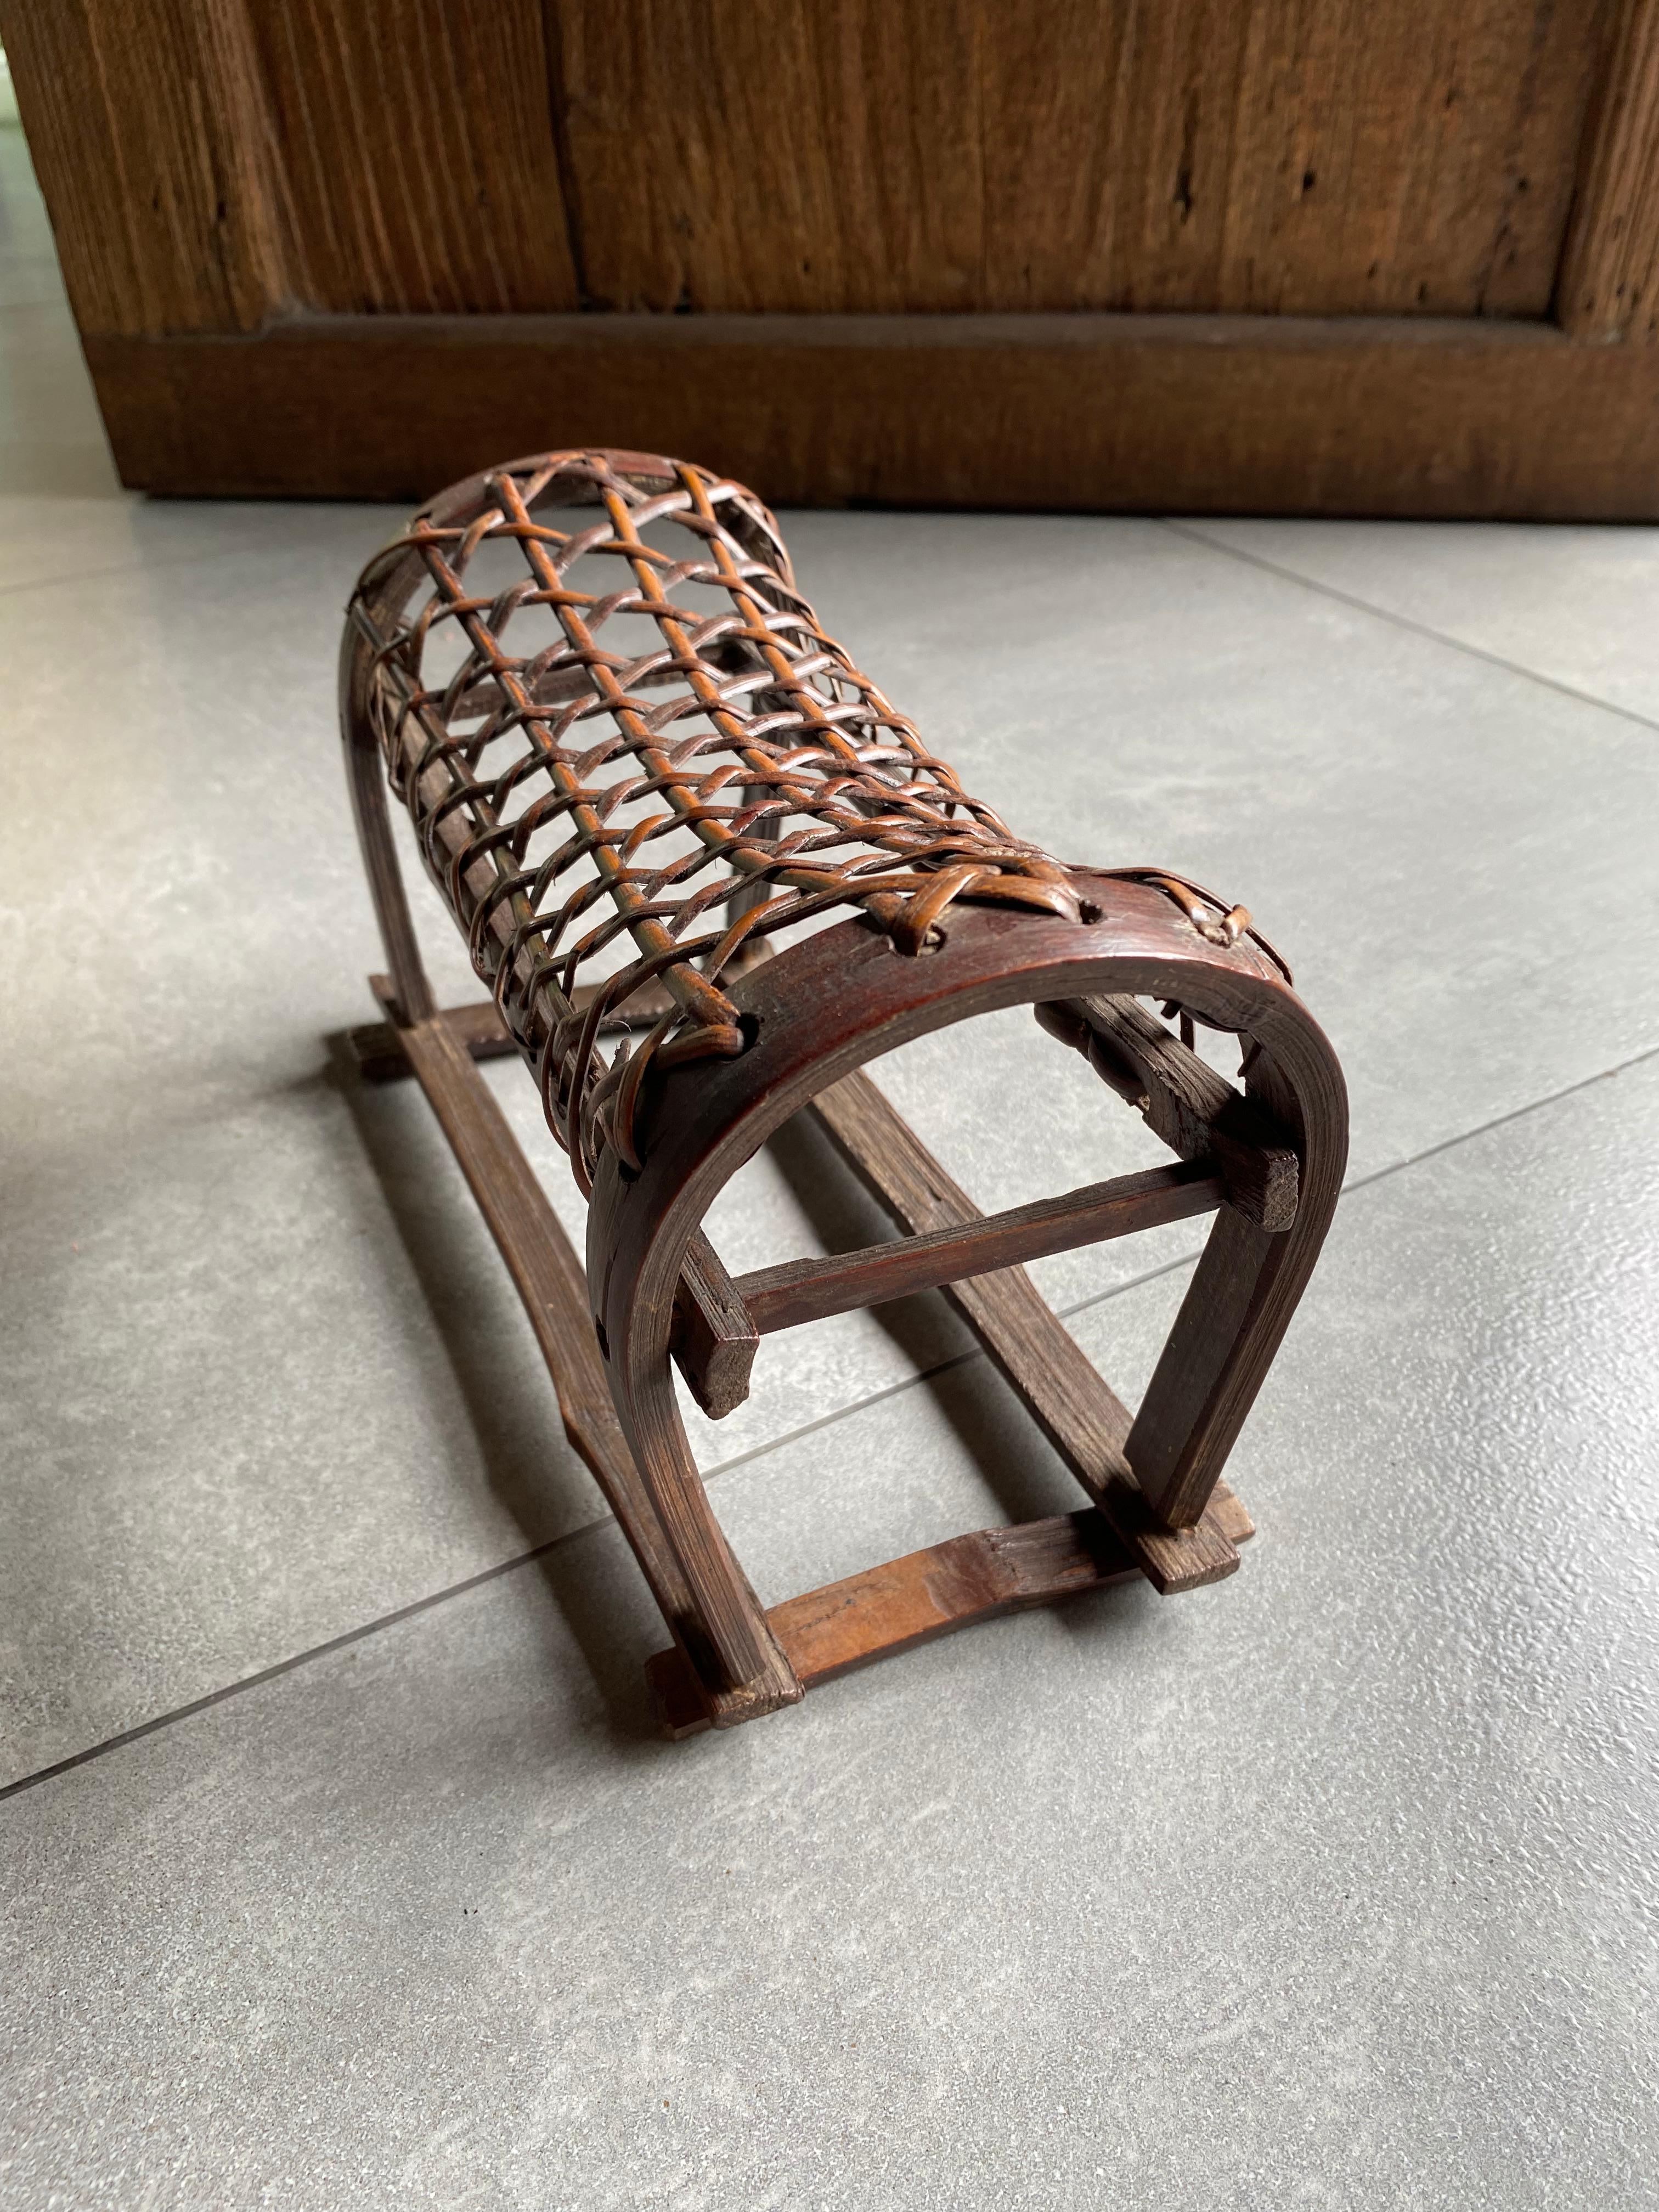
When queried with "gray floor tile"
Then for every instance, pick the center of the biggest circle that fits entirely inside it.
(54, 536)
(1332, 1885)
(1391, 811)
(1391, 808)
(52, 444)
(246, 1404)
(266, 1379)
(62, 512)
(52, 439)
(1579, 604)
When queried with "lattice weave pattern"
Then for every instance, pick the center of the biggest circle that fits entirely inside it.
(630, 755)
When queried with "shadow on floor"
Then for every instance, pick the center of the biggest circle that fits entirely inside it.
(1015, 1461)
(529, 1463)
(514, 1415)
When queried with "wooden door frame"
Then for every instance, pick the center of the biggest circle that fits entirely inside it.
(212, 384)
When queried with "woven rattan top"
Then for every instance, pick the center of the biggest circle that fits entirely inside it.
(630, 755)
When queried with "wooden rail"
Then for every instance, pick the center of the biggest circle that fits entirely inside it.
(1185, 1103)
(1083, 1417)
(807, 1290)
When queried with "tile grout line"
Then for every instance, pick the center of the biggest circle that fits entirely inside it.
(1195, 536)
(141, 566)
(297, 1659)
(1169, 1266)
(743, 1458)
(1503, 1120)
(143, 562)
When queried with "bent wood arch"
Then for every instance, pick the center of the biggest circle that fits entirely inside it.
(823, 1008)
(959, 918)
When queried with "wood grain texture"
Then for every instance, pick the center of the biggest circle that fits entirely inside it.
(1241, 1298)
(1183, 1101)
(803, 1290)
(925, 1594)
(1284, 156)
(1609, 280)
(714, 1337)
(1142, 414)
(1219, 1302)
(148, 129)
(913, 1600)
(419, 144)
(210, 166)
(310, 172)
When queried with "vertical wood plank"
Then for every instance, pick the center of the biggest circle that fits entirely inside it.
(797, 157)
(1405, 159)
(1218, 1300)
(207, 163)
(150, 134)
(1609, 281)
(1198, 155)
(419, 143)
(1239, 1304)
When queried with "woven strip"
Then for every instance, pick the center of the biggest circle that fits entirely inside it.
(632, 756)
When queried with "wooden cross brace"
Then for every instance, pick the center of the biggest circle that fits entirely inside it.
(1232, 1154)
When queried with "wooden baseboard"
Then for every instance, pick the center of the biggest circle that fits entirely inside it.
(1194, 414)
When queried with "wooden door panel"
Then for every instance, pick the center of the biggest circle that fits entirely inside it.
(1301, 255)
(1287, 156)
(416, 143)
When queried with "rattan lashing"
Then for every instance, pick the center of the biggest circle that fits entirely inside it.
(679, 798)
(656, 798)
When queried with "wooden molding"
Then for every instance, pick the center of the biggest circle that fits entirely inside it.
(356, 252)
(1192, 414)
(1608, 286)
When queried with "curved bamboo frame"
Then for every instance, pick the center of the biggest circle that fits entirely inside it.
(812, 1015)
(865, 998)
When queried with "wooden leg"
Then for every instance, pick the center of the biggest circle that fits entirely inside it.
(1244, 1290)
(550, 1280)
(1211, 1366)
(1083, 1417)
(731, 1647)
(1260, 1251)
